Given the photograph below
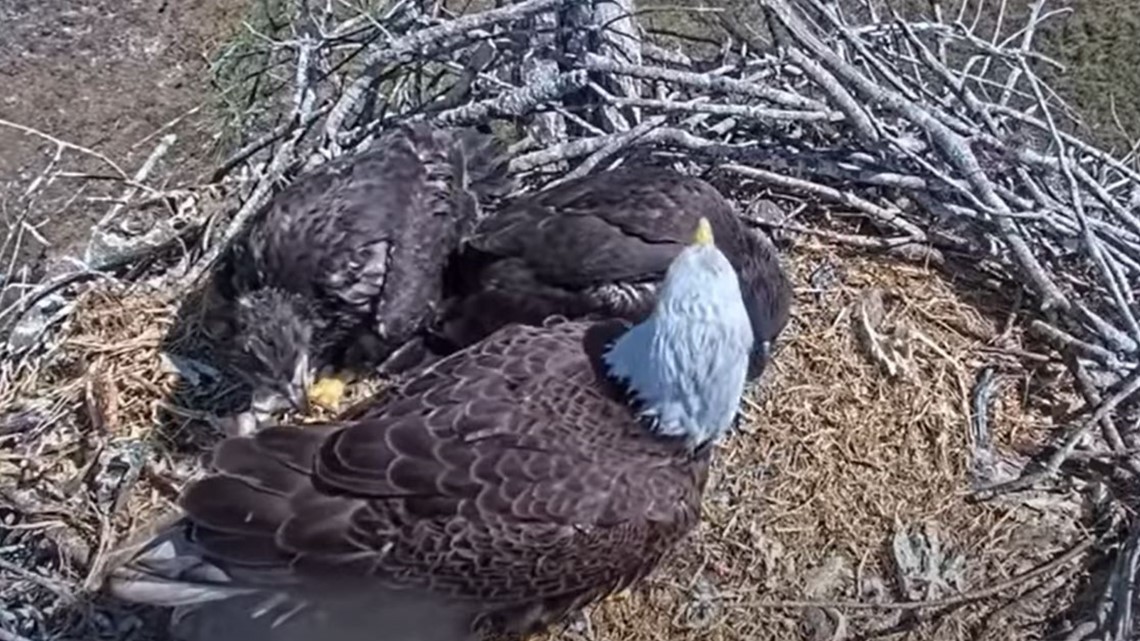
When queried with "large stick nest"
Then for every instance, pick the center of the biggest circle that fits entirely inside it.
(944, 447)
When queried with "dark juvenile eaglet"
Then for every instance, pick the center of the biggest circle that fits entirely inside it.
(599, 246)
(494, 491)
(343, 266)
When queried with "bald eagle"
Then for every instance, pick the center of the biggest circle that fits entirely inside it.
(494, 491)
(342, 267)
(598, 246)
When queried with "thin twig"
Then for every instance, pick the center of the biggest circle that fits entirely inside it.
(1130, 386)
(66, 145)
(969, 597)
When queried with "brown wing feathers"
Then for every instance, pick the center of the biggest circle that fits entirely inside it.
(596, 246)
(510, 475)
(438, 487)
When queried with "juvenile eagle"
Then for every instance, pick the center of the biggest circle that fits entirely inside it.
(494, 491)
(599, 246)
(344, 266)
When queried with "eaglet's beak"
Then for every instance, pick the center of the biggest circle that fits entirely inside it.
(703, 235)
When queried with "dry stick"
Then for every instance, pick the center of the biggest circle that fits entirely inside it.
(304, 96)
(1031, 157)
(1123, 568)
(1130, 386)
(1073, 116)
(406, 48)
(1065, 341)
(304, 100)
(15, 240)
(616, 144)
(1026, 42)
(1092, 397)
(880, 29)
(521, 95)
(963, 190)
(1070, 139)
(994, 38)
(961, 599)
(558, 153)
(55, 587)
(618, 38)
(919, 79)
(761, 114)
(864, 127)
(549, 127)
(650, 50)
(1121, 243)
(45, 174)
(1102, 194)
(951, 121)
(45, 289)
(1108, 332)
(160, 150)
(1124, 585)
(852, 240)
(891, 217)
(704, 81)
(852, 168)
(251, 148)
(873, 61)
(1091, 241)
(959, 86)
(256, 200)
(515, 102)
(954, 149)
(67, 145)
(586, 146)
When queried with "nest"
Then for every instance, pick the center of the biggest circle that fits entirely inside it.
(943, 446)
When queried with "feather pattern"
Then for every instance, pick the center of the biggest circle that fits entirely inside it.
(353, 251)
(680, 363)
(598, 246)
(458, 483)
(502, 486)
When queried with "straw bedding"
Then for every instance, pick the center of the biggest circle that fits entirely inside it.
(942, 448)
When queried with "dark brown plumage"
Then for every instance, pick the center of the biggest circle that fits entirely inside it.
(499, 488)
(599, 246)
(343, 266)
(458, 484)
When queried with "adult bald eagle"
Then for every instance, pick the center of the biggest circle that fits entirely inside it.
(344, 266)
(495, 490)
(599, 246)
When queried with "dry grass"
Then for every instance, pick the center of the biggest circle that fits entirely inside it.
(834, 457)
(108, 373)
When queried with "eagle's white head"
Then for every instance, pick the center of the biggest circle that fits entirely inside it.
(688, 361)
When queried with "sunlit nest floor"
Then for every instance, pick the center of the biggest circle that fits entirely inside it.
(835, 458)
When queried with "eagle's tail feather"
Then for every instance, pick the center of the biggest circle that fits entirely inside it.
(167, 570)
(175, 562)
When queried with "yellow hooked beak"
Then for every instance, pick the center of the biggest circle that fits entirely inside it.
(703, 235)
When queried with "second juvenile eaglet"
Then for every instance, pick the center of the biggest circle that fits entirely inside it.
(494, 491)
(342, 267)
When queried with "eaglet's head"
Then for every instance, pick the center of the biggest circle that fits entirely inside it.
(687, 363)
(274, 341)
